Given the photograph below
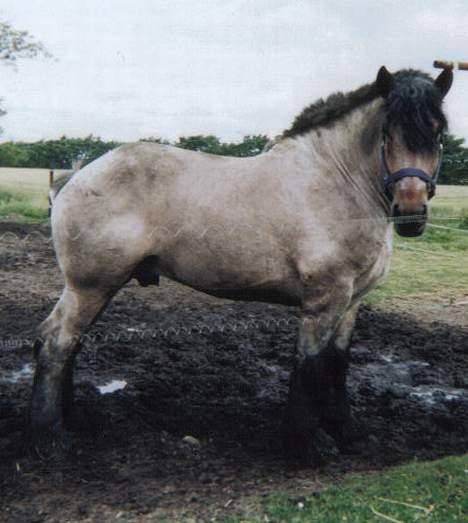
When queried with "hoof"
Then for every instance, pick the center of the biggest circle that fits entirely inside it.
(347, 435)
(309, 449)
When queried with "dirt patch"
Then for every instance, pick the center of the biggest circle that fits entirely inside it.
(217, 371)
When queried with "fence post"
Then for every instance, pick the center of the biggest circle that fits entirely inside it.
(51, 181)
(445, 64)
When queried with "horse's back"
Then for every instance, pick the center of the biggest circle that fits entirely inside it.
(144, 200)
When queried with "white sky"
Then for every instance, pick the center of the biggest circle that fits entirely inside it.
(128, 69)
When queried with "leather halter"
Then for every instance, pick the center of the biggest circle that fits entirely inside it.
(390, 178)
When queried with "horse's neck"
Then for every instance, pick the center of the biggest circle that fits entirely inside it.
(349, 151)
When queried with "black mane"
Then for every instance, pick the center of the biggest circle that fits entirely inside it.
(325, 112)
(412, 105)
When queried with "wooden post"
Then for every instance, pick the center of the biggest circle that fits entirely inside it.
(444, 64)
(51, 178)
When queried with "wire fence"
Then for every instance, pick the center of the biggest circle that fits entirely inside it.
(197, 328)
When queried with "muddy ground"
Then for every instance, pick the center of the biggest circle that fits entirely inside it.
(216, 371)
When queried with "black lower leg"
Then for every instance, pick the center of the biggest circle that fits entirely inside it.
(67, 394)
(335, 408)
(308, 396)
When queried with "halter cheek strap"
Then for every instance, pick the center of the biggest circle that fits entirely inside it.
(391, 178)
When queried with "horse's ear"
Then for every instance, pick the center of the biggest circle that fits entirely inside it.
(444, 81)
(384, 82)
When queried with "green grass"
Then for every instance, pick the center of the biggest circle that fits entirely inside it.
(450, 198)
(434, 266)
(16, 205)
(435, 492)
(23, 194)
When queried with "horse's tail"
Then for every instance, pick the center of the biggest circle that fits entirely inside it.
(59, 183)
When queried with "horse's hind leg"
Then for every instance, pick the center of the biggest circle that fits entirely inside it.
(319, 376)
(55, 353)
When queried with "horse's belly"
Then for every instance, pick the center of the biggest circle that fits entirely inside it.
(260, 294)
(237, 279)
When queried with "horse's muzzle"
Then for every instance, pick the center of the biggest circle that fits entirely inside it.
(410, 225)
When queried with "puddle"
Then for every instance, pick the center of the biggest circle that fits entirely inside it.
(112, 386)
(25, 373)
(432, 395)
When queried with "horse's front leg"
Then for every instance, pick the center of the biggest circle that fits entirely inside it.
(336, 415)
(318, 380)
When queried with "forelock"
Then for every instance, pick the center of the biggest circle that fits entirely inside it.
(413, 105)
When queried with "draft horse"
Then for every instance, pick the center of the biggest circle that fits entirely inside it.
(307, 223)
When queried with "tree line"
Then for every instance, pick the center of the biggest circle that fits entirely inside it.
(62, 153)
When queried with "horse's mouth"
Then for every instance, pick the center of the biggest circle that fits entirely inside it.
(409, 225)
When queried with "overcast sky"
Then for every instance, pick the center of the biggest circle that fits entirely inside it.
(128, 69)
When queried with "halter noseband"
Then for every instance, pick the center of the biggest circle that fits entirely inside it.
(390, 178)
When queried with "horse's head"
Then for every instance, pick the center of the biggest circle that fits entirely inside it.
(411, 151)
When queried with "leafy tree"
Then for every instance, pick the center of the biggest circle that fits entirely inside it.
(53, 154)
(15, 45)
(61, 153)
(250, 145)
(205, 144)
(454, 169)
(153, 139)
(13, 156)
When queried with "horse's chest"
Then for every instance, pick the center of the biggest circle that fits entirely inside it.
(377, 270)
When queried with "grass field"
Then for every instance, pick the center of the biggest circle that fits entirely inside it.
(436, 491)
(434, 266)
(450, 198)
(23, 194)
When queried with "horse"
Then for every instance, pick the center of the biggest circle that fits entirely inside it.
(307, 223)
